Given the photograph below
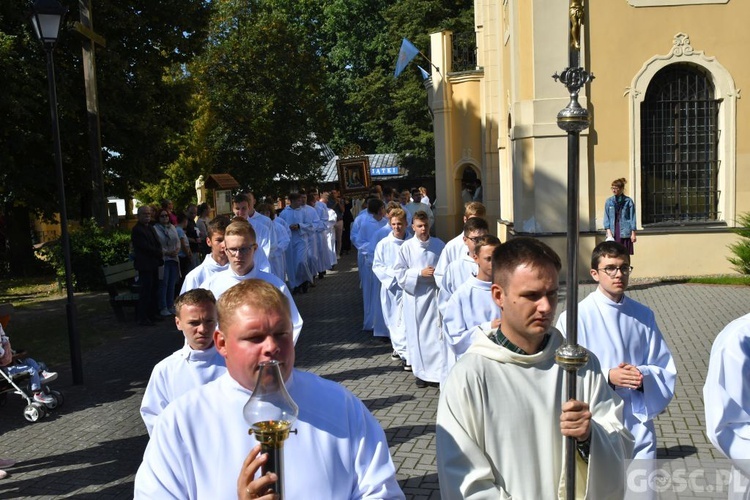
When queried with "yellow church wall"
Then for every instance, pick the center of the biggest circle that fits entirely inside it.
(666, 255)
(523, 157)
(622, 38)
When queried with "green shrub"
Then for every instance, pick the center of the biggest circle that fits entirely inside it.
(741, 249)
(91, 247)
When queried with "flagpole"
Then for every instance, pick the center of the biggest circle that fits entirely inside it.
(431, 63)
(573, 119)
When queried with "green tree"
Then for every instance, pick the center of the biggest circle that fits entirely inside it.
(142, 95)
(371, 107)
(741, 249)
(261, 79)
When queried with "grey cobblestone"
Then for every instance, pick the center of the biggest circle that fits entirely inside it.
(91, 447)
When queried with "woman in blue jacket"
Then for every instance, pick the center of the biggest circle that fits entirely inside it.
(619, 216)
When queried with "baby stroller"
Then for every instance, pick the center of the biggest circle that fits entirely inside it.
(19, 383)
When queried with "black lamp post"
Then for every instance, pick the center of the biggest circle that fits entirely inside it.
(47, 17)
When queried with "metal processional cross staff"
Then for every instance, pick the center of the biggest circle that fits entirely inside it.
(573, 119)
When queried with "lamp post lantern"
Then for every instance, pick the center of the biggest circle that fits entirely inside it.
(47, 17)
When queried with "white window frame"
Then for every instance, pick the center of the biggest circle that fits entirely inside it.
(666, 3)
(724, 89)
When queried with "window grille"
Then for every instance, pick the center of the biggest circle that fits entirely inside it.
(464, 51)
(679, 148)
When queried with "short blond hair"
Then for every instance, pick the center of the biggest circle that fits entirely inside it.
(475, 209)
(240, 227)
(254, 293)
(398, 213)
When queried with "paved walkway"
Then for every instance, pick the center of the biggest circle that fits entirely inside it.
(92, 446)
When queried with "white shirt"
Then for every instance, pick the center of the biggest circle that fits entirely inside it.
(498, 427)
(199, 443)
(626, 331)
(177, 374)
(726, 397)
(223, 281)
(469, 306)
(203, 272)
(454, 249)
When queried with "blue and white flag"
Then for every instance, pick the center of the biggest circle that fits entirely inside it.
(425, 73)
(405, 55)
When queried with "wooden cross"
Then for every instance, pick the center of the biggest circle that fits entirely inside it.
(94, 198)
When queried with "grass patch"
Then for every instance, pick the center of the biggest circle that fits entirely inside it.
(39, 322)
(721, 280)
(24, 290)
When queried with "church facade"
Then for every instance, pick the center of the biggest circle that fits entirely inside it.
(665, 112)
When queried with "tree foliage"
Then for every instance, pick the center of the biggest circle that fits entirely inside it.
(260, 82)
(741, 249)
(190, 87)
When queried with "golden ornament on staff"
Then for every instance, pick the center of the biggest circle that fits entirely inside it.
(576, 20)
(271, 413)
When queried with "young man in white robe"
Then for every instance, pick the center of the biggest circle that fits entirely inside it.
(324, 259)
(370, 224)
(313, 237)
(240, 247)
(195, 364)
(215, 261)
(255, 218)
(460, 270)
(297, 269)
(391, 294)
(283, 237)
(471, 307)
(330, 233)
(504, 413)
(415, 270)
(727, 402)
(242, 207)
(631, 349)
(455, 248)
(200, 447)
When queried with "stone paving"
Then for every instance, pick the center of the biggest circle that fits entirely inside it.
(92, 446)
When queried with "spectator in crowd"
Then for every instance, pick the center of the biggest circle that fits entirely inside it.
(170, 248)
(204, 217)
(147, 259)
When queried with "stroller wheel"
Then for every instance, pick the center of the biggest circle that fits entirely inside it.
(58, 397)
(34, 412)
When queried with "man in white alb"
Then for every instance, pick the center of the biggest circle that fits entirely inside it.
(298, 271)
(195, 364)
(415, 268)
(240, 247)
(391, 294)
(455, 248)
(215, 261)
(726, 398)
(631, 349)
(200, 447)
(504, 414)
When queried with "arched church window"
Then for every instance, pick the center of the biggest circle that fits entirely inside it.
(680, 147)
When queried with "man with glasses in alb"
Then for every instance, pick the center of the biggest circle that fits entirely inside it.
(623, 334)
(244, 263)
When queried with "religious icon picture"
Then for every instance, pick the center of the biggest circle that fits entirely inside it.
(354, 174)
